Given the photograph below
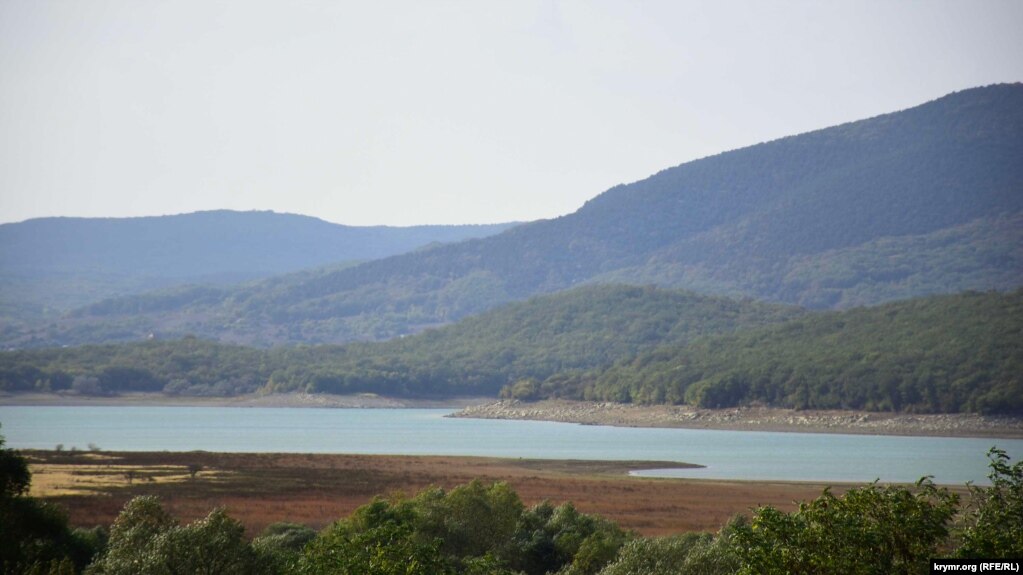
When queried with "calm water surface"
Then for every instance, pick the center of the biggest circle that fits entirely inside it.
(726, 454)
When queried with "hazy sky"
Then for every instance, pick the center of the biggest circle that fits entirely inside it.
(413, 112)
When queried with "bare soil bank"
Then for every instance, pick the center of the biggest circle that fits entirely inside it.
(751, 419)
(317, 489)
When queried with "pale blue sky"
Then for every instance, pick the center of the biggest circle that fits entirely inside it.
(443, 112)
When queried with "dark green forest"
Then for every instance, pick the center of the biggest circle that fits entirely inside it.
(478, 529)
(960, 353)
(937, 354)
(584, 328)
(917, 202)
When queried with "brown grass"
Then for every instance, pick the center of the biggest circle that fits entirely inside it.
(259, 489)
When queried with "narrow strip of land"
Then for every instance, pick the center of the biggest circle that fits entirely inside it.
(327, 400)
(751, 418)
(590, 413)
(316, 489)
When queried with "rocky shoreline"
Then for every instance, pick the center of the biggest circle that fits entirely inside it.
(751, 419)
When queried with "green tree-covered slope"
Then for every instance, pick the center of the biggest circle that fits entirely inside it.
(646, 345)
(983, 254)
(938, 354)
(580, 329)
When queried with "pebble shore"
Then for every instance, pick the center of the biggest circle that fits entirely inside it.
(750, 419)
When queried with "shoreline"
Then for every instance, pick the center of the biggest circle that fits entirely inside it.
(750, 419)
(301, 400)
(584, 413)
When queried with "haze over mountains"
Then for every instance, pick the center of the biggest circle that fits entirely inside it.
(64, 263)
(923, 201)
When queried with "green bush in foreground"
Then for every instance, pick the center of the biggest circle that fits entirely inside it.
(279, 547)
(146, 539)
(875, 530)
(384, 549)
(34, 535)
(995, 516)
(689, 554)
(473, 528)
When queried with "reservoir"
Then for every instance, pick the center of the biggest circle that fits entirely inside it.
(725, 454)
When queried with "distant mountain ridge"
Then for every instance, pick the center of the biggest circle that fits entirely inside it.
(93, 258)
(922, 201)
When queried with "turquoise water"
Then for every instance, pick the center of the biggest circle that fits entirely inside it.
(726, 454)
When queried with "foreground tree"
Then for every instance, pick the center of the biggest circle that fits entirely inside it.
(14, 474)
(872, 530)
(688, 554)
(146, 539)
(386, 549)
(473, 529)
(995, 515)
(470, 520)
(132, 539)
(34, 536)
(560, 539)
(279, 547)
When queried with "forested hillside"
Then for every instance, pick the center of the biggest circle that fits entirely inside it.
(62, 263)
(937, 354)
(579, 329)
(923, 201)
(983, 254)
(643, 345)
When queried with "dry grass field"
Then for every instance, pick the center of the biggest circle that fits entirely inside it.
(316, 489)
